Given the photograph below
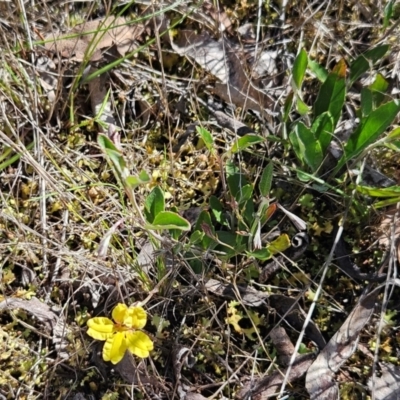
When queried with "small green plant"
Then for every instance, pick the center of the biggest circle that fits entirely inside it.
(310, 140)
(153, 218)
(240, 219)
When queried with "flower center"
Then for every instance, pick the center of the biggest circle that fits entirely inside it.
(121, 327)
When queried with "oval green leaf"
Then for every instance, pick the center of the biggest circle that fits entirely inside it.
(299, 68)
(206, 137)
(266, 180)
(154, 204)
(332, 93)
(170, 220)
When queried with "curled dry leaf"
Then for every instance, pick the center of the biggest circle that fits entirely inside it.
(98, 90)
(105, 242)
(146, 257)
(320, 379)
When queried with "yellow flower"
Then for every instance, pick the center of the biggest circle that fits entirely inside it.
(121, 335)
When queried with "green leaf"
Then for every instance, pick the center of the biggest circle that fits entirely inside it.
(366, 102)
(236, 181)
(301, 107)
(231, 168)
(206, 137)
(135, 181)
(377, 53)
(392, 191)
(320, 72)
(245, 194)
(266, 180)
(369, 130)
(287, 106)
(248, 212)
(394, 134)
(380, 84)
(105, 143)
(298, 145)
(332, 93)
(358, 67)
(299, 68)
(170, 220)
(113, 153)
(387, 202)
(388, 13)
(322, 129)
(309, 149)
(379, 88)
(204, 224)
(217, 210)
(362, 63)
(245, 142)
(196, 237)
(154, 204)
(231, 243)
(260, 254)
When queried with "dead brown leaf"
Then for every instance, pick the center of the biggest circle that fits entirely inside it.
(35, 307)
(389, 228)
(320, 379)
(387, 385)
(219, 16)
(91, 38)
(221, 59)
(289, 309)
(54, 325)
(267, 387)
(283, 345)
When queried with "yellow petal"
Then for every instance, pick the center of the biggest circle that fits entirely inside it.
(114, 348)
(139, 344)
(100, 328)
(119, 313)
(135, 318)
